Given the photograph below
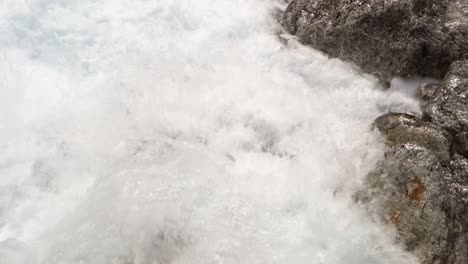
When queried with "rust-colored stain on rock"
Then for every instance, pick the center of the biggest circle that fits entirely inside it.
(416, 191)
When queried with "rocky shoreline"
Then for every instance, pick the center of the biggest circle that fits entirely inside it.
(421, 186)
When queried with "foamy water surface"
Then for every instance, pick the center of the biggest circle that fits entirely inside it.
(181, 131)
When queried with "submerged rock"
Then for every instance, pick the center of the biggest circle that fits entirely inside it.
(385, 38)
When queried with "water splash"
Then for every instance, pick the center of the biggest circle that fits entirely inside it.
(181, 132)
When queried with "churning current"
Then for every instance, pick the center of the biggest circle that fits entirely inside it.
(182, 131)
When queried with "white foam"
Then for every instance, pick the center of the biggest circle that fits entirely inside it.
(181, 132)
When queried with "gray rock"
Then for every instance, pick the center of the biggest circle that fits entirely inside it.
(446, 105)
(386, 38)
(407, 193)
(461, 143)
(426, 92)
(421, 186)
(450, 114)
(400, 129)
(423, 200)
(457, 210)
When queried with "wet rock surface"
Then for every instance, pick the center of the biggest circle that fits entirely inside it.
(421, 186)
(386, 38)
(403, 128)
(408, 193)
(461, 143)
(447, 105)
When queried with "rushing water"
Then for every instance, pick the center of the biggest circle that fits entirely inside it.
(181, 131)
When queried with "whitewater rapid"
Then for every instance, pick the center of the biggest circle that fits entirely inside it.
(182, 131)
